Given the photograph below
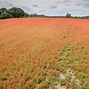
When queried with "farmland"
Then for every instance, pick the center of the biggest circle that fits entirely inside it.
(44, 53)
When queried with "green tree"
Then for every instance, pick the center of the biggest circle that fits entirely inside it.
(16, 12)
(4, 13)
(68, 15)
(2, 10)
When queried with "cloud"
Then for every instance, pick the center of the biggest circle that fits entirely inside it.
(6, 4)
(66, 1)
(86, 5)
(35, 5)
(68, 4)
(53, 7)
(86, 0)
(9, 4)
(78, 4)
(83, 4)
(27, 9)
(58, 2)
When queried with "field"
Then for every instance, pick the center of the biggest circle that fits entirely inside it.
(44, 53)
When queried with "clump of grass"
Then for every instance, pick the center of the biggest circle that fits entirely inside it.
(63, 82)
(39, 79)
(3, 78)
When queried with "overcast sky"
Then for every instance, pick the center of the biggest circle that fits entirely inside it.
(50, 7)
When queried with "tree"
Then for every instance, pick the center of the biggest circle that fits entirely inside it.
(33, 15)
(12, 13)
(68, 15)
(16, 12)
(4, 13)
(2, 10)
(26, 14)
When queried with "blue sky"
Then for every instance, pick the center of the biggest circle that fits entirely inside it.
(50, 7)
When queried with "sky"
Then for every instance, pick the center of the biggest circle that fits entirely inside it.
(50, 7)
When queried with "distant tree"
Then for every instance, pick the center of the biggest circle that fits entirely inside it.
(4, 13)
(33, 15)
(68, 15)
(16, 12)
(26, 14)
(2, 10)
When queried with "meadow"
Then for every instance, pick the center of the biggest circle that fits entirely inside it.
(44, 53)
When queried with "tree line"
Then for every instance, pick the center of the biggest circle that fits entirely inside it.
(15, 12)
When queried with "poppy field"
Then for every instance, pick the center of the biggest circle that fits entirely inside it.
(44, 53)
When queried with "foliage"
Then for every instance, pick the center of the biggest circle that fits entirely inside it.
(4, 13)
(68, 15)
(12, 13)
(16, 12)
